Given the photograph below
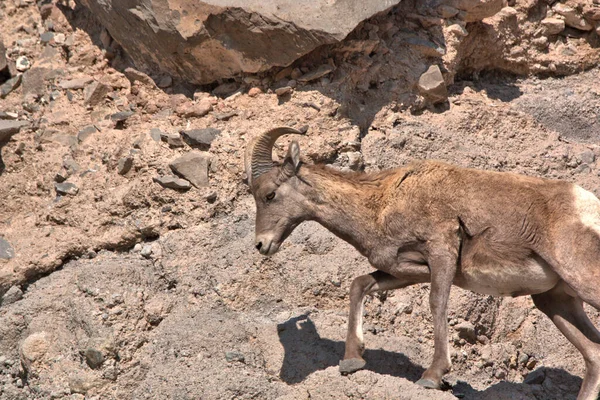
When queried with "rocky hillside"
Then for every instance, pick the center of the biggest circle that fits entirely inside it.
(127, 267)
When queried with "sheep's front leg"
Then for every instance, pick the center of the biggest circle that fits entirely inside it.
(443, 269)
(362, 286)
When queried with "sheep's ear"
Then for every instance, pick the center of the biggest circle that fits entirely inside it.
(293, 154)
(292, 159)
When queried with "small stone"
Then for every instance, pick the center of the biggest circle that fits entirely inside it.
(523, 358)
(95, 93)
(432, 86)
(201, 138)
(20, 150)
(531, 363)
(165, 82)
(296, 73)
(155, 134)
(553, 26)
(232, 356)
(137, 248)
(121, 116)
(284, 73)
(13, 295)
(500, 374)
(8, 115)
(320, 72)
(60, 38)
(71, 165)
(93, 357)
(111, 373)
(75, 84)
(86, 132)
(61, 176)
(124, 165)
(33, 348)
(134, 75)
(587, 157)
(457, 30)
(199, 95)
(282, 91)
(172, 182)
(46, 37)
(354, 160)
(466, 331)
(195, 110)
(174, 140)
(155, 310)
(146, 251)
(211, 197)
(192, 166)
(23, 64)
(9, 86)
(255, 91)
(9, 128)
(66, 188)
(81, 384)
(536, 377)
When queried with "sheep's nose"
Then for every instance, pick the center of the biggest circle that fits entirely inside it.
(258, 246)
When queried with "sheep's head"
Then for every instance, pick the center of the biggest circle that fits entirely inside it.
(279, 204)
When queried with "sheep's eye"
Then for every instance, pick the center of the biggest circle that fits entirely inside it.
(271, 196)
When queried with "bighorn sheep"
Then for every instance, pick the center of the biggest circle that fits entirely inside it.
(494, 233)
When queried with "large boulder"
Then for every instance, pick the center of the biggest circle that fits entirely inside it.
(202, 41)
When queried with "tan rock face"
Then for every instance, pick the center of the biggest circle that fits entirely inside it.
(572, 17)
(202, 41)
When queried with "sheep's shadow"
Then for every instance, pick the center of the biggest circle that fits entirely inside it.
(306, 352)
(556, 384)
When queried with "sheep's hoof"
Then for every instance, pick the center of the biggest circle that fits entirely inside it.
(428, 384)
(351, 365)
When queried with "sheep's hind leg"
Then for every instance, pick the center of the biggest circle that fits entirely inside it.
(568, 315)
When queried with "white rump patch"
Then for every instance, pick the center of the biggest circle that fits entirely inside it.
(587, 207)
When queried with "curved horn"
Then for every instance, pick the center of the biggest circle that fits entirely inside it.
(259, 157)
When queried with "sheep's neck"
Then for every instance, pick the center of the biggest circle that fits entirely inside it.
(347, 206)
